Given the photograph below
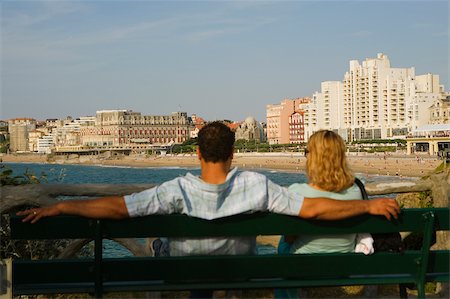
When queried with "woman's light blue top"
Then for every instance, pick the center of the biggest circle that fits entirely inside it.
(324, 243)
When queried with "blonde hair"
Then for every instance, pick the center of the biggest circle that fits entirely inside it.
(326, 165)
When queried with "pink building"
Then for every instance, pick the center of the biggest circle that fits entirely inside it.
(297, 127)
(279, 121)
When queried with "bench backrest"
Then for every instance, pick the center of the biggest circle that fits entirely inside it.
(222, 272)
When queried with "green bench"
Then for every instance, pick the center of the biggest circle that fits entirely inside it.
(100, 275)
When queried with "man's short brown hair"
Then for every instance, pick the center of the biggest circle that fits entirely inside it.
(216, 142)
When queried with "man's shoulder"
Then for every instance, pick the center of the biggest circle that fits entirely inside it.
(250, 175)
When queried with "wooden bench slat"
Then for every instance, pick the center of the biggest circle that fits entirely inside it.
(49, 288)
(300, 267)
(242, 225)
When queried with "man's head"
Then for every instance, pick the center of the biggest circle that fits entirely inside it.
(216, 142)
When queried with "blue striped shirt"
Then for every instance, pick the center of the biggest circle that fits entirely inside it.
(242, 192)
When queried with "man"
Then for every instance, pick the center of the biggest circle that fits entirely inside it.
(219, 192)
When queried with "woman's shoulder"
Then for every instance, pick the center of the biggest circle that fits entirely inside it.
(352, 192)
(307, 191)
(299, 187)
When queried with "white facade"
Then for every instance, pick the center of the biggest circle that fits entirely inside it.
(311, 115)
(326, 112)
(45, 144)
(374, 101)
(69, 134)
(273, 113)
(33, 138)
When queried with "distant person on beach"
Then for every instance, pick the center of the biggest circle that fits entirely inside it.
(220, 191)
(328, 176)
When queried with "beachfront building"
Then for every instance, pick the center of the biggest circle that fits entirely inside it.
(126, 128)
(250, 130)
(297, 127)
(381, 102)
(439, 111)
(33, 137)
(374, 101)
(18, 129)
(279, 120)
(68, 133)
(428, 93)
(45, 144)
(325, 111)
(430, 139)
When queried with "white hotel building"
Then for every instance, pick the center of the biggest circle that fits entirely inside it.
(374, 101)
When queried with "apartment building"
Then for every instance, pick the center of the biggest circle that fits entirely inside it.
(374, 101)
(385, 102)
(125, 128)
(69, 133)
(281, 123)
(326, 110)
(273, 114)
(45, 144)
(439, 112)
(297, 127)
(19, 129)
(33, 138)
(428, 93)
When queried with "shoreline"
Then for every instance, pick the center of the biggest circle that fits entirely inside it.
(366, 164)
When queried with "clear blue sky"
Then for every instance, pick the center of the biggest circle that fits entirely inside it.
(218, 59)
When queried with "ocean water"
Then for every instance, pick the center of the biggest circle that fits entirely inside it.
(80, 174)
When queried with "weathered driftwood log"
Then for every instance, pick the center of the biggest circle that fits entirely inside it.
(46, 194)
(398, 187)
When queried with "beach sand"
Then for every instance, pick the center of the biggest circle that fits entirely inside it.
(366, 164)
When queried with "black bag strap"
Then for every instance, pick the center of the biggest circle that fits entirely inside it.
(362, 188)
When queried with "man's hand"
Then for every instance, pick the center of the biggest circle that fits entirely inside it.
(387, 207)
(33, 215)
(331, 209)
(112, 207)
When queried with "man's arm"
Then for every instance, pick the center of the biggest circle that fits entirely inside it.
(330, 209)
(105, 207)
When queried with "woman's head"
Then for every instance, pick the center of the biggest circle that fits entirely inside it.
(326, 164)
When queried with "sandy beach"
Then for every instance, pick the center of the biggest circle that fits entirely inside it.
(367, 164)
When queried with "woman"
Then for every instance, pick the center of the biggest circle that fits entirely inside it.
(328, 176)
